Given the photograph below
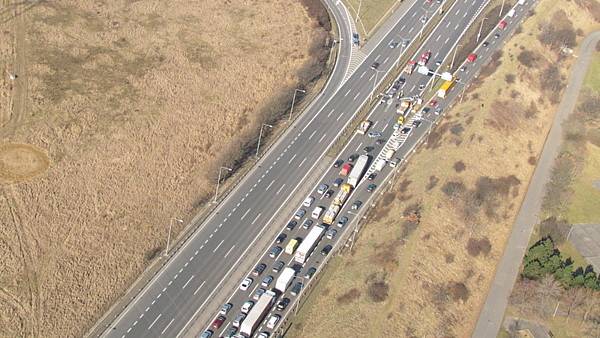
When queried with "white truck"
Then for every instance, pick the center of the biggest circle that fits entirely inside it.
(317, 212)
(358, 170)
(380, 164)
(286, 277)
(258, 313)
(305, 249)
(389, 154)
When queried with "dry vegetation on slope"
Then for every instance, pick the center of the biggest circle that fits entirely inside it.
(424, 261)
(134, 103)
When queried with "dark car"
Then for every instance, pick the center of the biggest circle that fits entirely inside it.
(296, 289)
(338, 163)
(368, 149)
(338, 181)
(326, 250)
(405, 130)
(485, 44)
(291, 225)
(283, 303)
(275, 251)
(416, 124)
(355, 39)
(380, 142)
(310, 272)
(297, 267)
(259, 269)
(278, 266)
(307, 223)
(352, 157)
(342, 221)
(280, 238)
(371, 187)
(371, 176)
(402, 80)
(216, 324)
(375, 65)
(496, 36)
(329, 193)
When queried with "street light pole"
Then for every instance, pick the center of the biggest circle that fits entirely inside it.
(358, 12)
(453, 56)
(260, 136)
(294, 101)
(219, 182)
(501, 9)
(169, 235)
(374, 82)
(480, 28)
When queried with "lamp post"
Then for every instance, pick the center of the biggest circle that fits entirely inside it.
(358, 11)
(501, 9)
(169, 235)
(294, 101)
(260, 136)
(480, 28)
(375, 82)
(454, 55)
(219, 182)
(424, 22)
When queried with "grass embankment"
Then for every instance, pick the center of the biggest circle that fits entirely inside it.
(136, 104)
(424, 261)
(372, 12)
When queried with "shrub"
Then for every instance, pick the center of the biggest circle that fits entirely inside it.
(453, 189)
(459, 166)
(458, 291)
(378, 291)
(528, 58)
(433, 181)
(510, 78)
(478, 246)
(348, 297)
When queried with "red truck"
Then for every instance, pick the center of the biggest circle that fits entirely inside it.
(472, 57)
(424, 58)
(502, 24)
(346, 169)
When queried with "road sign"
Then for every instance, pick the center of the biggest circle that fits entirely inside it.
(423, 70)
(446, 76)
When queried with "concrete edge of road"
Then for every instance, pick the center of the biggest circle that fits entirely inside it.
(492, 312)
(153, 269)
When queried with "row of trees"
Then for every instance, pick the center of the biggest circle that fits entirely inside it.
(543, 259)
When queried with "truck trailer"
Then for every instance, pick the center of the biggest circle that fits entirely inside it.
(286, 277)
(304, 250)
(257, 313)
(358, 170)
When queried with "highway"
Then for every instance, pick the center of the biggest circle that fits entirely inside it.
(384, 117)
(167, 305)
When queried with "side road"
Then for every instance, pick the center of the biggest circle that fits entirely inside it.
(493, 310)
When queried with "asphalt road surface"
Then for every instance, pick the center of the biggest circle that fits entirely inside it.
(384, 117)
(167, 305)
(492, 313)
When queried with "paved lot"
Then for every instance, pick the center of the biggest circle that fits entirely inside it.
(586, 238)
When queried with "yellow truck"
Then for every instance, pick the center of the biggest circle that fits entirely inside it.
(443, 91)
(291, 247)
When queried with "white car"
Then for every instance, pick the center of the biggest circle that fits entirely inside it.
(273, 321)
(247, 306)
(308, 201)
(246, 283)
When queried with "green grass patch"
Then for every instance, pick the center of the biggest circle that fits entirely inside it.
(568, 250)
(592, 79)
(503, 333)
(584, 206)
(371, 13)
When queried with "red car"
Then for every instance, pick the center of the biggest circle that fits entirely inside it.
(502, 24)
(424, 58)
(216, 324)
(472, 57)
(433, 103)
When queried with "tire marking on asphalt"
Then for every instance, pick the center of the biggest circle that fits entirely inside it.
(270, 184)
(291, 159)
(228, 252)
(245, 214)
(321, 139)
(154, 322)
(278, 191)
(215, 250)
(188, 282)
(255, 218)
(200, 287)
(166, 327)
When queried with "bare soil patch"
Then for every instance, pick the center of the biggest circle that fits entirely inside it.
(136, 103)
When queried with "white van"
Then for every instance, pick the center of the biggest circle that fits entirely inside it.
(380, 164)
(521, 2)
(511, 13)
(317, 212)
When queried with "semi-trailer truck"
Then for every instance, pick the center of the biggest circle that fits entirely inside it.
(358, 170)
(305, 249)
(257, 313)
(285, 279)
(330, 214)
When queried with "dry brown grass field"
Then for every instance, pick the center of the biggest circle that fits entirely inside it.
(424, 260)
(115, 119)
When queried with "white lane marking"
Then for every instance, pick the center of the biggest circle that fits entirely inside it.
(148, 308)
(255, 218)
(228, 252)
(200, 287)
(211, 235)
(154, 322)
(196, 253)
(291, 159)
(438, 38)
(164, 289)
(331, 112)
(192, 258)
(385, 127)
(456, 27)
(355, 96)
(414, 14)
(448, 38)
(412, 28)
(436, 55)
(245, 214)
(363, 74)
(270, 184)
(304, 160)
(166, 327)
(186, 264)
(171, 281)
(313, 134)
(402, 28)
(449, 23)
(339, 117)
(374, 124)
(457, 12)
(357, 148)
(372, 75)
(215, 250)
(321, 139)
(153, 301)
(278, 191)
(129, 330)
(377, 57)
(188, 282)
(386, 59)
(465, 14)
(348, 92)
(413, 88)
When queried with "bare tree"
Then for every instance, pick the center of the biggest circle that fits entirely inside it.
(548, 289)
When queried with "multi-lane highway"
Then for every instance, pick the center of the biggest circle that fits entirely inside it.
(198, 269)
(441, 42)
